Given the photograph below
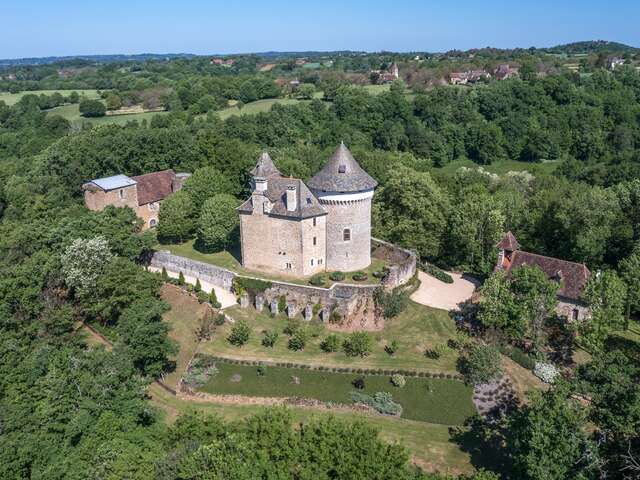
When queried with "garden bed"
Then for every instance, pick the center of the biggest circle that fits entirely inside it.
(440, 401)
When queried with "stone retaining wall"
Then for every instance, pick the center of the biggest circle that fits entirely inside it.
(217, 276)
(403, 262)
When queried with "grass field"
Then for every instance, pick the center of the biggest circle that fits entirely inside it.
(72, 113)
(13, 98)
(502, 167)
(416, 329)
(229, 260)
(442, 401)
(429, 445)
(256, 107)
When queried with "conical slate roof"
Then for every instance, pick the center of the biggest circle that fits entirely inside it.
(265, 167)
(342, 174)
(509, 242)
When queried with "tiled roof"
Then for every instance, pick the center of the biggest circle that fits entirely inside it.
(307, 205)
(342, 174)
(265, 167)
(572, 276)
(156, 186)
(508, 242)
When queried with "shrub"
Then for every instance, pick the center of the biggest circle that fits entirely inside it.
(298, 340)
(357, 344)
(261, 370)
(282, 303)
(202, 296)
(164, 275)
(293, 325)
(398, 380)
(358, 383)
(92, 108)
(547, 372)
(189, 288)
(205, 328)
(270, 337)
(380, 273)
(437, 273)
(180, 278)
(337, 276)
(520, 357)
(391, 348)
(198, 287)
(220, 319)
(317, 280)
(480, 364)
(213, 299)
(359, 276)
(330, 344)
(335, 317)
(391, 303)
(380, 401)
(244, 284)
(239, 334)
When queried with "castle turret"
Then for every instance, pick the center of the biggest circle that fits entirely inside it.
(345, 191)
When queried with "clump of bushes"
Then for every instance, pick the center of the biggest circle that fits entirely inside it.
(480, 364)
(380, 273)
(330, 344)
(220, 319)
(298, 340)
(380, 401)
(199, 372)
(337, 276)
(360, 276)
(520, 357)
(317, 280)
(358, 383)
(390, 303)
(398, 380)
(437, 273)
(239, 334)
(202, 296)
(391, 348)
(282, 303)
(261, 370)
(293, 325)
(335, 317)
(206, 327)
(547, 372)
(357, 344)
(270, 337)
(244, 284)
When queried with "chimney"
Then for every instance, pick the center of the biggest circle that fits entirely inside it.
(291, 198)
(260, 184)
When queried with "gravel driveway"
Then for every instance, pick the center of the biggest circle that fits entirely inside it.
(447, 296)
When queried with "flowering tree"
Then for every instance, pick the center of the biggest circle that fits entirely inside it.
(83, 261)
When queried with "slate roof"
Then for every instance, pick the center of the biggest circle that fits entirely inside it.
(342, 174)
(156, 186)
(508, 242)
(111, 183)
(265, 167)
(307, 204)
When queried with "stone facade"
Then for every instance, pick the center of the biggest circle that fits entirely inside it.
(290, 229)
(142, 194)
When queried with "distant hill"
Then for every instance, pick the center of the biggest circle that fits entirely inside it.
(93, 58)
(592, 46)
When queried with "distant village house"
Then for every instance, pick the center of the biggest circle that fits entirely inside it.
(142, 193)
(382, 77)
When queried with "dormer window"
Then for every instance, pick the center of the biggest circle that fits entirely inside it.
(342, 169)
(346, 235)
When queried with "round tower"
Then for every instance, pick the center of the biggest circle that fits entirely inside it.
(345, 191)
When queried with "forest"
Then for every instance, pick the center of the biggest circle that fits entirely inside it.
(555, 159)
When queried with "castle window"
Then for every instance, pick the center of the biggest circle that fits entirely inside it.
(575, 314)
(153, 222)
(319, 261)
(288, 266)
(121, 193)
(346, 235)
(312, 262)
(314, 240)
(314, 221)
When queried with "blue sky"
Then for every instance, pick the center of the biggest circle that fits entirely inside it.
(69, 27)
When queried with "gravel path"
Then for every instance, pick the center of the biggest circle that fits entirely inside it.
(447, 296)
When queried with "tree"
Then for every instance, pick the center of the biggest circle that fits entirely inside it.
(605, 294)
(206, 182)
(114, 102)
(357, 344)
(630, 273)
(484, 143)
(306, 91)
(92, 108)
(175, 220)
(270, 337)
(198, 286)
(330, 344)
(629, 198)
(298, 340)
(239, 334)
(411, 210)
(481, 364)
(497, 308)
(548, 440)
(84, 261)
(218, 222)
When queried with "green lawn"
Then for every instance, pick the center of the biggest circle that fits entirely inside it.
(230, 261)
(415, 330)
(502, 167)
(13, 98)
(256, 107)
(440, 401)
(72, 113)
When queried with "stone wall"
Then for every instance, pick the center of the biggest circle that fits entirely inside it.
(403, 262)
(217, 276)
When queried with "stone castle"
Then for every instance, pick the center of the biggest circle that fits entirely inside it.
(295, 229)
